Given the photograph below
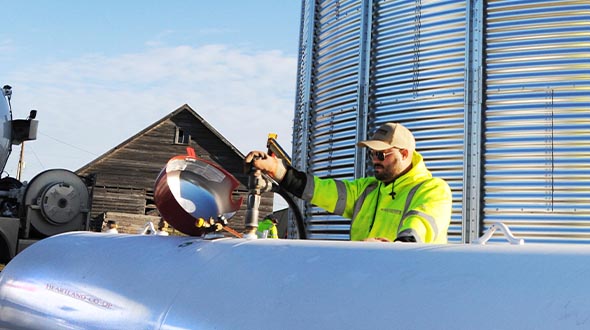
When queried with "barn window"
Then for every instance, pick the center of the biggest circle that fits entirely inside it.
(182, 137)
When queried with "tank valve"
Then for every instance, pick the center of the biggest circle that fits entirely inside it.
(258, 183)
(213, 227)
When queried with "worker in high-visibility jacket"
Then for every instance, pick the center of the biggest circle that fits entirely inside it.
(401, 202)
(267, 228)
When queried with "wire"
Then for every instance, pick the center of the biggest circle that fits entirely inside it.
(36, 157)
(68, 144)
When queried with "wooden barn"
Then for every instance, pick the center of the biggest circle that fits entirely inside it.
(126, 174)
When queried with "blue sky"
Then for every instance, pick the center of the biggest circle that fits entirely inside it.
(98, 72)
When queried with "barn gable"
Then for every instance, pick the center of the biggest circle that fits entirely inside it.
(126, 174)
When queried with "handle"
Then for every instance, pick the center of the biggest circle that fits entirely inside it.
(504, 229)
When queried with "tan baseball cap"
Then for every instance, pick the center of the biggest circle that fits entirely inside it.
(390, 135)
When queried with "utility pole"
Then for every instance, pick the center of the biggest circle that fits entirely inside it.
(21, 161)
(20, 168)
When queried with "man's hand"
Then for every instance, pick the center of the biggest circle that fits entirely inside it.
(266, 163)
(261, 161)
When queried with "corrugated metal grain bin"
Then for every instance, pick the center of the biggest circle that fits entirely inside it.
(497, 94)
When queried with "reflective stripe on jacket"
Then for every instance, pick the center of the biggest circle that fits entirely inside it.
(415, 204)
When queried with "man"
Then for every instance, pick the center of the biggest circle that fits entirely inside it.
(268, 225)
(402, 202)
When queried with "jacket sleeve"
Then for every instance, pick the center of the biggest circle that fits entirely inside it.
(428, 218)
(294, 182)
(335, 196)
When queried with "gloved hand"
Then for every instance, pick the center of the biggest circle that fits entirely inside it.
(266, 163)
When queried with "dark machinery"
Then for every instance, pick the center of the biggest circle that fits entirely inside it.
(54, 201)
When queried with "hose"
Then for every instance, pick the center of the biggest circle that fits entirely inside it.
(298, 216)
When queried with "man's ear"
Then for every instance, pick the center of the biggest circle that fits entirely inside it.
(405, 153)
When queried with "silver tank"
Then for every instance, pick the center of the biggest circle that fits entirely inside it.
(105, 281)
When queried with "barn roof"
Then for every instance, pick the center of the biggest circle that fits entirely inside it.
(184, 107)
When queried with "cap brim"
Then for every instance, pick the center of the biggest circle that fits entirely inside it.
(374, 144)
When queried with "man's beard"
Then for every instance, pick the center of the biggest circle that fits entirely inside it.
(385, 175)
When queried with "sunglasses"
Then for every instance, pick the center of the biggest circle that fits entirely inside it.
(379, 154)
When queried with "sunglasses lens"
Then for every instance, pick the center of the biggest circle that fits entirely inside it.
(378, 154)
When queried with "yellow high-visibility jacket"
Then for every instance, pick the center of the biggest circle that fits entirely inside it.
(267, 224)
(415, 204)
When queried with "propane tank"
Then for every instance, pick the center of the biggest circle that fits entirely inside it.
(109, 281)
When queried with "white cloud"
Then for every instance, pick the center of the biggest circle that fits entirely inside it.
(93, 103)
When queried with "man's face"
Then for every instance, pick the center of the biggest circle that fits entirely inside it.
(392, 165)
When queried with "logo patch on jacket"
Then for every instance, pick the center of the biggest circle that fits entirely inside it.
(394, 211)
